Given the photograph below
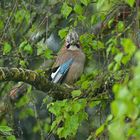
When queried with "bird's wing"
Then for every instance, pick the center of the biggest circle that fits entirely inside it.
(62, 57)
(61, 71)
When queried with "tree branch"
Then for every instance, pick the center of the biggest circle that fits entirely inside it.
(39, 81)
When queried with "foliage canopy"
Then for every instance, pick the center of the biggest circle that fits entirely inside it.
(104, 103)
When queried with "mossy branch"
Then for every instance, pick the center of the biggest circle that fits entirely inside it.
(35, 79)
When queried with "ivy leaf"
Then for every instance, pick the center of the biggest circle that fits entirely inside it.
(66, 10)
(6, 48)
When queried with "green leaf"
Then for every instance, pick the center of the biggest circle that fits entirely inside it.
(6, 48)
(110, 23)
(21, 15)
(28, 48)
(126, 59)
(137, 56)
(46, 127)
(66, 10)
(26, 113)
(5, 129)
(111, 65)
(116, 66)
(23, 101)
(12, 137)
(56, 107)
(76, 93)
(1, 25)
(116, 130)
(21, 46)
(100, 45)
(23, 63)
(63, 32)
(94, 19)
(119, 108)
(120, 26)
(85, 2)
(78, 9)
(56, 122)
(130, 2)
(40, 50)
(78, 106)
(100, 130)
(85, 84)
(70, 113)
(48, 54)
(103, 5)
(129, 46)
(93, 103)
(118, 57)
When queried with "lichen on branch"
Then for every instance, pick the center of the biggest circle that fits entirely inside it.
(35, 79)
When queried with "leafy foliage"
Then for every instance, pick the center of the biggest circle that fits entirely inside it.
(105, 100)
(69, 114)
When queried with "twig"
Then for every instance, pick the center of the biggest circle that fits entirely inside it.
(8, 21)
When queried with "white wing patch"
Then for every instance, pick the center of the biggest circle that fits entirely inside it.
(56, 76)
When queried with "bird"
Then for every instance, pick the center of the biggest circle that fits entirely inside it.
(70, 61)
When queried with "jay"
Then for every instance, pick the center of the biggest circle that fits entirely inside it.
(70, 61)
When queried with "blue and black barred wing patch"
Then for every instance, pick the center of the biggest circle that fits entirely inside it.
(61, 71)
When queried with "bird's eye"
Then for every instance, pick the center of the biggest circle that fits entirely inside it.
(68, 46)
(77, 45)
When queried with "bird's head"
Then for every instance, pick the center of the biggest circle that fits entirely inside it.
(72, 41)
